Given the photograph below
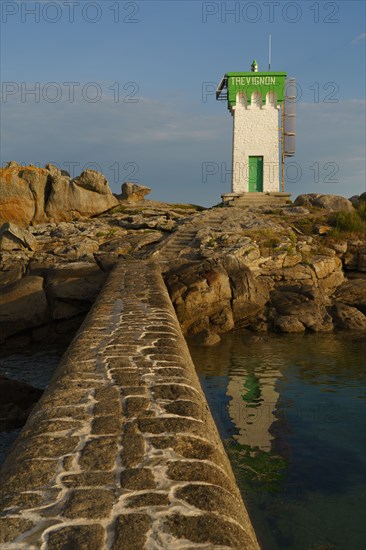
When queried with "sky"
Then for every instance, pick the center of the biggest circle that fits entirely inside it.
(127, 88)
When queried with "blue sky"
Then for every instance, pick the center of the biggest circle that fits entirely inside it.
(141, 106)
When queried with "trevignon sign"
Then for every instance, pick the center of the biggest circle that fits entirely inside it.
(249, 82)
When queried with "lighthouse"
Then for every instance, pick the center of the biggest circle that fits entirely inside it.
(257, 101)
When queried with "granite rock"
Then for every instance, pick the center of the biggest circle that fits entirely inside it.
(132, 192)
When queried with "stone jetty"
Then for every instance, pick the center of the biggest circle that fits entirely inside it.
(121, 452)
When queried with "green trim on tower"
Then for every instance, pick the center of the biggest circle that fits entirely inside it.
(250, 82)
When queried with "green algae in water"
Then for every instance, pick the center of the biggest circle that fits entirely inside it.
(255, 467)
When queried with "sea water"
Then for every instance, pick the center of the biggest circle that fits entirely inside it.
(291, 412)
(34, 369)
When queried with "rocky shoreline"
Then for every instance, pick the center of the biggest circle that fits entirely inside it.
(283, 268)
(259, 268)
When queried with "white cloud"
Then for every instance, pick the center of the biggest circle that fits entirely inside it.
(360, 38)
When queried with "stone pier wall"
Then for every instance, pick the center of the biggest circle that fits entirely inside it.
(122, 452)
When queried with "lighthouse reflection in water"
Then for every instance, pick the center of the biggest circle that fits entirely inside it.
(252, 406)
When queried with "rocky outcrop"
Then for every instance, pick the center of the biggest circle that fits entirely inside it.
(347, 317)
(23, 306)
(354, 258)
(139, 221)
(332, 203)
(224, 268)
(352, 293)
(222, 294)
(72, 289)
(31, 195)
(93, 181)
(201, 295)
(49, 294)
(21, 193)
(69, 201)
(13, 237)
(248, 295)
(71, 261)
(255, 272)
(11, 274)
(356, 200)
(131, 192)
(299, 309)
(17, 399)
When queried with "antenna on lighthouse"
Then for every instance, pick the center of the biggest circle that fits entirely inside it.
(269, 51)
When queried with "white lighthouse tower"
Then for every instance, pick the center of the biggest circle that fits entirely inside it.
(256, 100)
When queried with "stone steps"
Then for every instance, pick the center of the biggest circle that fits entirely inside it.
(256, 199)
(173, 245)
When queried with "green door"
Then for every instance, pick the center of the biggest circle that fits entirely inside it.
(255, 174)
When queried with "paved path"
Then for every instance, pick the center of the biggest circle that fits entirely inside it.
(122, 452)
(182, 244)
